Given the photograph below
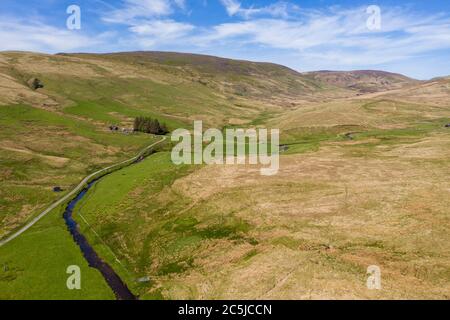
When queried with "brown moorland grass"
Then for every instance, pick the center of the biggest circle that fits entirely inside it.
(321, 222)
(310, 232)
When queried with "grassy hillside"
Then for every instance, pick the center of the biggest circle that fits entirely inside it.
(264, 81)
(361, 179)
(56, 135)
(40, 149)
(364, 81)
(53, 136)
(339, 204)
(34, 265)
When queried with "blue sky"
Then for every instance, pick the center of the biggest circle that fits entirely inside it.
(412, 37)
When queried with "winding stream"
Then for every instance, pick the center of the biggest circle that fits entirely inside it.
(119, 288)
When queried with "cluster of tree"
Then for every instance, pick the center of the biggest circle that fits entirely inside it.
(149, 125)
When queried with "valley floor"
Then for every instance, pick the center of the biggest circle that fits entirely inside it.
(309, 232)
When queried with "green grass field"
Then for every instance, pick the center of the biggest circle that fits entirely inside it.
(152, 176)
(66, 151)
(362, 181)
(34, 265)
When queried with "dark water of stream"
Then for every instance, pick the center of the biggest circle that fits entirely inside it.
(119, 288)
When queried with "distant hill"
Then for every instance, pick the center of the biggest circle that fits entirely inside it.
(176, 87)
(364, 81)
(434, 92)
(445, 78)
(240, 78)
(172, 86)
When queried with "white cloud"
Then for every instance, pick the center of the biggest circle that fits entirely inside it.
(338, 35)
(148, 22)
(18, 34)
(333, 37)
(153, 33)
(135, 9)
(180, 3)
(278, 9)
(232, 6)
(162, 28)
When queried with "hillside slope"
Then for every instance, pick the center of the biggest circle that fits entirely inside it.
(360, 180)
(434, 92)
(363, 81)
(83, 94)
(170, 85)
(55, 134)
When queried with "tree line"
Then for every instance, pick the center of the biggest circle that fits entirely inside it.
(149, 125)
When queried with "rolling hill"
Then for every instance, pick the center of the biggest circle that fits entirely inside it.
(364, 81)
(57, 132)
(143, 79)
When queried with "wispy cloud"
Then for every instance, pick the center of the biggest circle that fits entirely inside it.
(33, 35)
(148, 22)
(158, 32)
(135, 9)
(332, 36)
(180, 3)
(339, 35)
(278, 9)
(320, 37)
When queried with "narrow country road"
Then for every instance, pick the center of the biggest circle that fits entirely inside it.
(74, 192)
